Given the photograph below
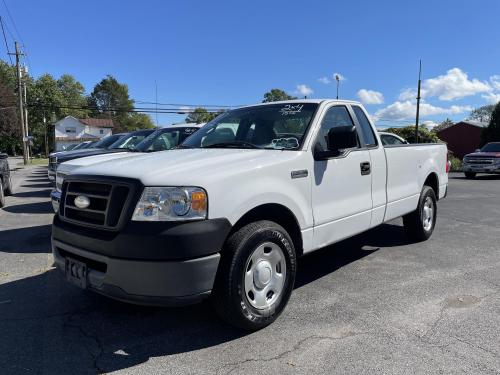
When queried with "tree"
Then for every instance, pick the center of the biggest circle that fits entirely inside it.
(134, 121)
(73, 94)
(492, 132)
(442, 125)
(408, 133)
(201, 115)
(276, 95)
(10, 138)
(110, 98)
(482, 114)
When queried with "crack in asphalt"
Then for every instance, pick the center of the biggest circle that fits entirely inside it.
(96, 355)
(235, 365)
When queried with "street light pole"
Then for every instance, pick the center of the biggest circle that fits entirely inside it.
(337, 78)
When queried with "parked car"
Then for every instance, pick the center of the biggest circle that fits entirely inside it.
(5, 180)
(391, 139)
(55, 158)
(484, 160)
(160, 140)
(228, 213)
(107, 145)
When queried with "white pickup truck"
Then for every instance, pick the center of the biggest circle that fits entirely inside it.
(228, 213)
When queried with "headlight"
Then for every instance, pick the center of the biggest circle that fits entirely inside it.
(171, 204)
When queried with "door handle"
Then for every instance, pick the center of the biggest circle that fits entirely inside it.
(365, 168)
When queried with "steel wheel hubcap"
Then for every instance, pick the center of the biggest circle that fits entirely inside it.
(265, 274)
(428, 213)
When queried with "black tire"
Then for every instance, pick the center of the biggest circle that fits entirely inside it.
(2, 195)
(9, 190)
(229, 298)
(415, 222)
(470, 175)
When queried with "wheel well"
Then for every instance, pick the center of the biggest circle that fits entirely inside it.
(433, 182)
(280, 215)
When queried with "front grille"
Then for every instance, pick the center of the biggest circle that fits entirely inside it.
(108, 202)
(52, 162)
(479, 161)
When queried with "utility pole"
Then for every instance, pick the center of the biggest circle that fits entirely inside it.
(418, 102)
(28, 142)
(21, 106)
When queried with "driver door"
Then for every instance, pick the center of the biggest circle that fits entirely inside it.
(342, 185)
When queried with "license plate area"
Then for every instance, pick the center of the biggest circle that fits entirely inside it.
(76, 272)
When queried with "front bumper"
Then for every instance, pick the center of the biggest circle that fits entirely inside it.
(492, 168)
(168, 264)
(51, 174)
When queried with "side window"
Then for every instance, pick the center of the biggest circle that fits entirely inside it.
(335, 116)
(366, 128)
(390, 140)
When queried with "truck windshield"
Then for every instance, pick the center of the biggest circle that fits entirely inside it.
(271, 126)
(491, 147)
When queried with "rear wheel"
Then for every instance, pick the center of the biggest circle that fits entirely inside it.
(9, 190)
(420, 223)
(470, 175)
(256, 275)
(2, 195)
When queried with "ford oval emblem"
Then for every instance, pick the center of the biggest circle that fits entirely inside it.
(82, 201)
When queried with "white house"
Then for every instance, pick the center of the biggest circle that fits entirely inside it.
(70, 130)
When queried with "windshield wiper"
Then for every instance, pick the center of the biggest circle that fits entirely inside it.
(234, 144)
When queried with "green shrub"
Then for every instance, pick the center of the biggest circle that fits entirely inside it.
(456, 164)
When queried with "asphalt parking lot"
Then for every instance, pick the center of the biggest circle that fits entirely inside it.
(372, 304)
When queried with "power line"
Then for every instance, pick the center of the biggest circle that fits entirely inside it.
(5, 39)
(17, 33)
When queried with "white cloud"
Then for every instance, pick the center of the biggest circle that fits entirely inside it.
(495, 81)
(407, 94)
(429, 124)
(185, 108)
(492, 98)
(404, 110)
(341, 77)
(324, 80)
(455, 84)
(370, 96)
(303, 90)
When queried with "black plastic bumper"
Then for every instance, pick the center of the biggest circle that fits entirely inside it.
(159, 264)
(148, 240)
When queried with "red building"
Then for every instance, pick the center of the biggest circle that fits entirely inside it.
(463, 137)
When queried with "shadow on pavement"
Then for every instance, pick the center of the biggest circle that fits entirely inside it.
(46, 185)
(45, 320)
(30, 208)
(26, 240)
(45, 193)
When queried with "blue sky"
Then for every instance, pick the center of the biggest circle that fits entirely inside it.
(231, 52)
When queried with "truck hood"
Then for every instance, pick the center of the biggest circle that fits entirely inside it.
(484, 154)
(190, 167)
(89, 160)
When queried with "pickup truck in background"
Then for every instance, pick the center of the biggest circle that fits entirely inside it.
(229, 211)
(161, 139)
(485, 160)
(5, 180)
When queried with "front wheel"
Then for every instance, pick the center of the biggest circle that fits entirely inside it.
(256, 275)
(470, 175)
(420, 223)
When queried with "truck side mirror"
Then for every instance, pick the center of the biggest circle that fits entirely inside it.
(341, 138)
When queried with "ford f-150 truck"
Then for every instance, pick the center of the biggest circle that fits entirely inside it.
(228, 213)
(485, 160)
